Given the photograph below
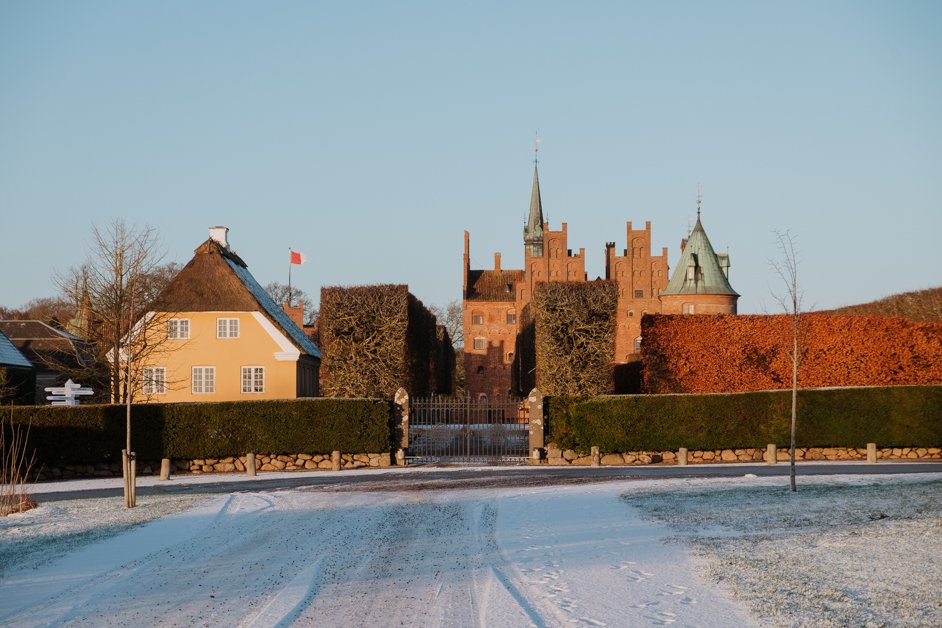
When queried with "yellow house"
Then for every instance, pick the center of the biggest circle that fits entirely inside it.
(221, 337)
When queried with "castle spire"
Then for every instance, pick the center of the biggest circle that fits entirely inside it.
(533, 231)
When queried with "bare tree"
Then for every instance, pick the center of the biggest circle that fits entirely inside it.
(452, 317)
(279, 293)
(791, 301)
(114, 289)
(55, 311)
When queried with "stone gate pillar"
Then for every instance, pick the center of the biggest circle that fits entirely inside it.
(535, 404)
(401, 399)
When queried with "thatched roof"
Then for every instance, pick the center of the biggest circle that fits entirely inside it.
(218, 280)
(207, 284)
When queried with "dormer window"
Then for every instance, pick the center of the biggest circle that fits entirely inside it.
(691, 272)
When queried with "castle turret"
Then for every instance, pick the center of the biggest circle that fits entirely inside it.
(700, 283)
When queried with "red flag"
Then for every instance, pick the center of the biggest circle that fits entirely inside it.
(297, 258)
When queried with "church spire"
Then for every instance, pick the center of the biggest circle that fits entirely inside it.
(533, 231)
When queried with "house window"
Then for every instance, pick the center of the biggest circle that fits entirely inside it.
(511, 318)
(688, 308)
(477, 319)
(204, 380)
(253, 379)
(479, 344)
(178, 328)
(155, 380)
(638, 344)
(227, 327)
(639, 294)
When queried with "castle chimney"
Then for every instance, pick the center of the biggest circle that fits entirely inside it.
(220, 235)
(496, 261)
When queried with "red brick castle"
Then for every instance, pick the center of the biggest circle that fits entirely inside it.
(495, 301)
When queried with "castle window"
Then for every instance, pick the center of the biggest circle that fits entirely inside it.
(477, 319)
(688, 308)
(510, 356)
(631, 313)
(511, 318)
(638, 344)
(178, 328)
(639, 294)
(480, 370)
(479, 344)
(482, 398)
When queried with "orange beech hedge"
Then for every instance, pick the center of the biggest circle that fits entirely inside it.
(703, 354)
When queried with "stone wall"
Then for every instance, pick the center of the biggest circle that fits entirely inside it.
(556, 456)
(269, 462)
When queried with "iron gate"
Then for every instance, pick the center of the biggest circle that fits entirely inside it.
(448, 430)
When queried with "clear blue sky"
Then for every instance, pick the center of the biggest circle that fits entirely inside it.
(371, 135)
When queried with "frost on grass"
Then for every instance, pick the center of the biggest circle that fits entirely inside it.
(55, 528)
(858, 552)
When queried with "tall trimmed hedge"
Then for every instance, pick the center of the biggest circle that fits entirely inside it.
(96, 433)
(575, 337)
(376, 339)
(848, 417)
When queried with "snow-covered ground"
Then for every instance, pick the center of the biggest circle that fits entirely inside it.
(842, 551)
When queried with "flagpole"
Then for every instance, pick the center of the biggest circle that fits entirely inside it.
(289, 276)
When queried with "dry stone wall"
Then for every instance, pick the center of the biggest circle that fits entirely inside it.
(560, 457)
(270, 462)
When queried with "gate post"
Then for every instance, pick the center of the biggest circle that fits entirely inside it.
(401, 399)
(535, 403)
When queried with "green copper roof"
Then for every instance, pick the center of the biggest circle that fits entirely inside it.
(700, 270)
(533, 232)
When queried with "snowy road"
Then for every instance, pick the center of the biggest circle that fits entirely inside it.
(575, 555)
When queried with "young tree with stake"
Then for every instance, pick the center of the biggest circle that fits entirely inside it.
(787, 270)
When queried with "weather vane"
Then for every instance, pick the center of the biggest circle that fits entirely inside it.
(536, 148)
(699, 197)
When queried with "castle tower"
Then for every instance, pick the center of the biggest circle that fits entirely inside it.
(533, 230)
(700, 283)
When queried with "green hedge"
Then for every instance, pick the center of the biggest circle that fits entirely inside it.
(96, 433)
(896, 416)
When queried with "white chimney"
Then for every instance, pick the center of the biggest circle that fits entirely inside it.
(220, 235)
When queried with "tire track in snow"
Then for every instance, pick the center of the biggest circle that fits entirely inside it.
(285, 607)
(486, 532)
